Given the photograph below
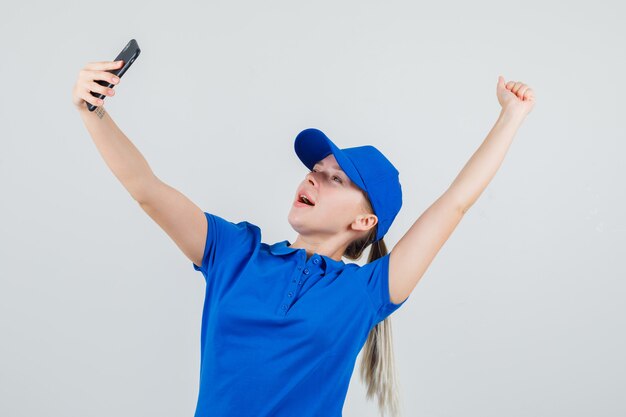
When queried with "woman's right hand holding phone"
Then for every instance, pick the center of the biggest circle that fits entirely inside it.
(87, 82)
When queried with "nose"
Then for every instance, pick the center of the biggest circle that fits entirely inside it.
(311, 178)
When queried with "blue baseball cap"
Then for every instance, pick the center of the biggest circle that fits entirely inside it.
(365, 165)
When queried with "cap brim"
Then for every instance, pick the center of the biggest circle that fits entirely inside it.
(312, 145)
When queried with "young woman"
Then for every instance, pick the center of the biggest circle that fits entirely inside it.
(283, 323)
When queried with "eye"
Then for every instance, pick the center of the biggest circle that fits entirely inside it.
(334, 176)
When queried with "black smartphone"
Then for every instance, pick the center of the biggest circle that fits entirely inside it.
(128, 55)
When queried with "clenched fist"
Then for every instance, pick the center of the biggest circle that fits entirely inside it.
(515, 96)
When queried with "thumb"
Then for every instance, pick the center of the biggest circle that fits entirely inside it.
(500, 81)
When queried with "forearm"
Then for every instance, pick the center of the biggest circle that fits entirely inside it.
(484, 163)
(118, 152)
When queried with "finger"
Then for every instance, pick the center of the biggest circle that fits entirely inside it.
(529, 94)
(100, 75)
(91, 99)
(510, 84)
(522, 90)
(516, 87)
(104, 65)
(97, 88)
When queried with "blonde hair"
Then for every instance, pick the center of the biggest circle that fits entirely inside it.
(377, 368)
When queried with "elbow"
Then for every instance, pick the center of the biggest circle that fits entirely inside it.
(463, 207)
(460, 204)
(456, 200)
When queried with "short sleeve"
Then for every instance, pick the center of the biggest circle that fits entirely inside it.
(224, 240)
(374, 278)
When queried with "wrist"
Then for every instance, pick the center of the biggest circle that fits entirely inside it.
(83, 110)
(510, 114)
(81, 107)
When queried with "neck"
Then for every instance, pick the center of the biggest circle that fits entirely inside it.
(326, 248)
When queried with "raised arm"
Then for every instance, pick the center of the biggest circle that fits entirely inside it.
(118, 152)
(179, 217)
(415, 251)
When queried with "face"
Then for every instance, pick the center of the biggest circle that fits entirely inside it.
(340, 205)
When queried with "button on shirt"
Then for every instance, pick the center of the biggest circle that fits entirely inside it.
(281, 332)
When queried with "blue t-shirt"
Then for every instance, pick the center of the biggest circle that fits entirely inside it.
(281, 333)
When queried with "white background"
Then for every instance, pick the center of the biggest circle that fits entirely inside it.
(520, 314)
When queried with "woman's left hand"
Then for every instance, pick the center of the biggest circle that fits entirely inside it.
(515, 96)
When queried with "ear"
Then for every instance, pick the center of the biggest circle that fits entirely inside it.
(364, 222)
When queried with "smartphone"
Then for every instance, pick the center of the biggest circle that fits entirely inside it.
(128, 55)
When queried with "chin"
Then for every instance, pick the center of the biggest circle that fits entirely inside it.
(293, 219)
(296, 222)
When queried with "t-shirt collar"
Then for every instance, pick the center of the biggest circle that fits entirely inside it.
(283, 248)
